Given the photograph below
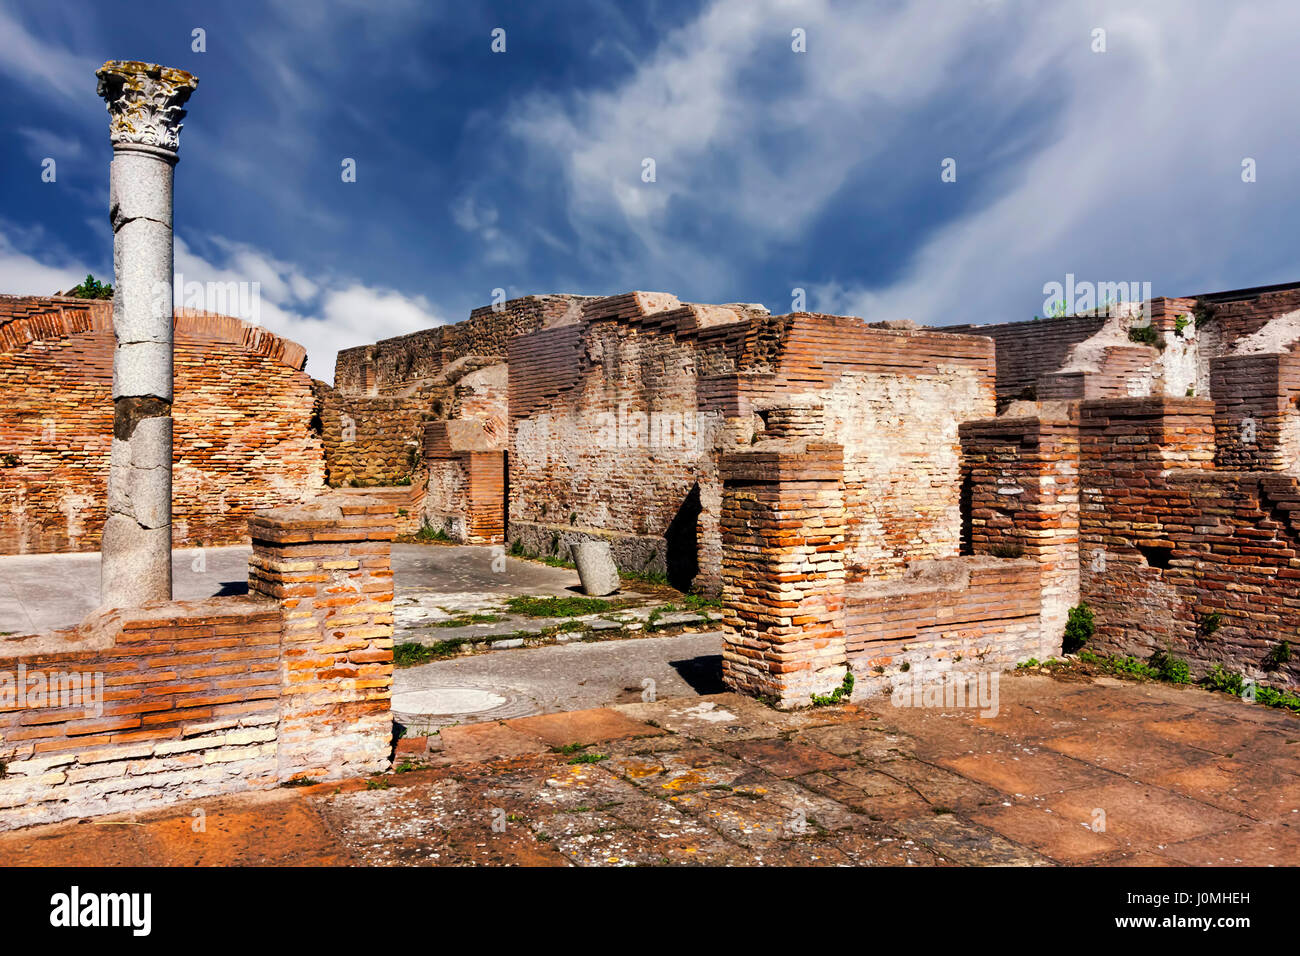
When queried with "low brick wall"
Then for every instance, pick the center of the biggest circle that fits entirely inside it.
(976, 612)
(187, 700)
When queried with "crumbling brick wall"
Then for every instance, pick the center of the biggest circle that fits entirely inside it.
(393, 365)
(242, 429)
(894, 400)
(1025, 350)
(1179, 556)
(373, 440)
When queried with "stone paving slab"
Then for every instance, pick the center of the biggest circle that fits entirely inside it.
(724, 780)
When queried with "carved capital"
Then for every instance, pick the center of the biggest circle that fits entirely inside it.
(145, 102)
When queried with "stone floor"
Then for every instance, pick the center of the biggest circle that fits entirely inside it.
(1066, 773)
(543, 680)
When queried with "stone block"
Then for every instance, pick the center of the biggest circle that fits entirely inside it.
(596, 568)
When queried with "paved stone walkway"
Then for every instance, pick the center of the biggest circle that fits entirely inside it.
(47, 591)
(1066, 773)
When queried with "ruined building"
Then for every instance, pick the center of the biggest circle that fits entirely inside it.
(968, 485)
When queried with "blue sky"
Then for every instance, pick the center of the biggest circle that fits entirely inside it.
(774, 170)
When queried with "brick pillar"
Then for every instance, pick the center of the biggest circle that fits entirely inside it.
(783, 571)
(1256, 422)
(328, 564)
(1022, 498)
(485, 509)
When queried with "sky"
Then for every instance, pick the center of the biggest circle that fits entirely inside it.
(934, 160)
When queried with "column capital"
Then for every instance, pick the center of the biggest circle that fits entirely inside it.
(146, 104)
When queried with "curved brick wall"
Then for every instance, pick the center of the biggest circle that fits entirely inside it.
(243, 436)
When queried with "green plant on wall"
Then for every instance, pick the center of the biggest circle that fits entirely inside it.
(1278, 655)
(1079, 627)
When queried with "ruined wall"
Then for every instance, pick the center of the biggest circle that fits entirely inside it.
(791, 620)
(1025, 350)
(1229, 317)
(617, 423)
(243, 437)
(466, 494)
(894, 400)
(201, 698)
(393, 365)
(967, 612)
(1168, 542)
(373, 440)
(612, 436)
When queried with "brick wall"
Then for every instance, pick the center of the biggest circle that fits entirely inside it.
(373, 440)
(204, 698)
(1235, 315)
(1167, 540)
(972, 612)
(392, 365)
(1256, 421)
(243, 437)
(1025, 350)
(792, 622)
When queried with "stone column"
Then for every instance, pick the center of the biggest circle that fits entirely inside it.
(145, 103)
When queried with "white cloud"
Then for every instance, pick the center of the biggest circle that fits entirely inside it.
(1136, 175)
(41, 66)
(22, 274)
(322, 313)
(42, 143)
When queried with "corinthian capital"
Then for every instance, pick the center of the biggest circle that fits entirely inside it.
(145, 102)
